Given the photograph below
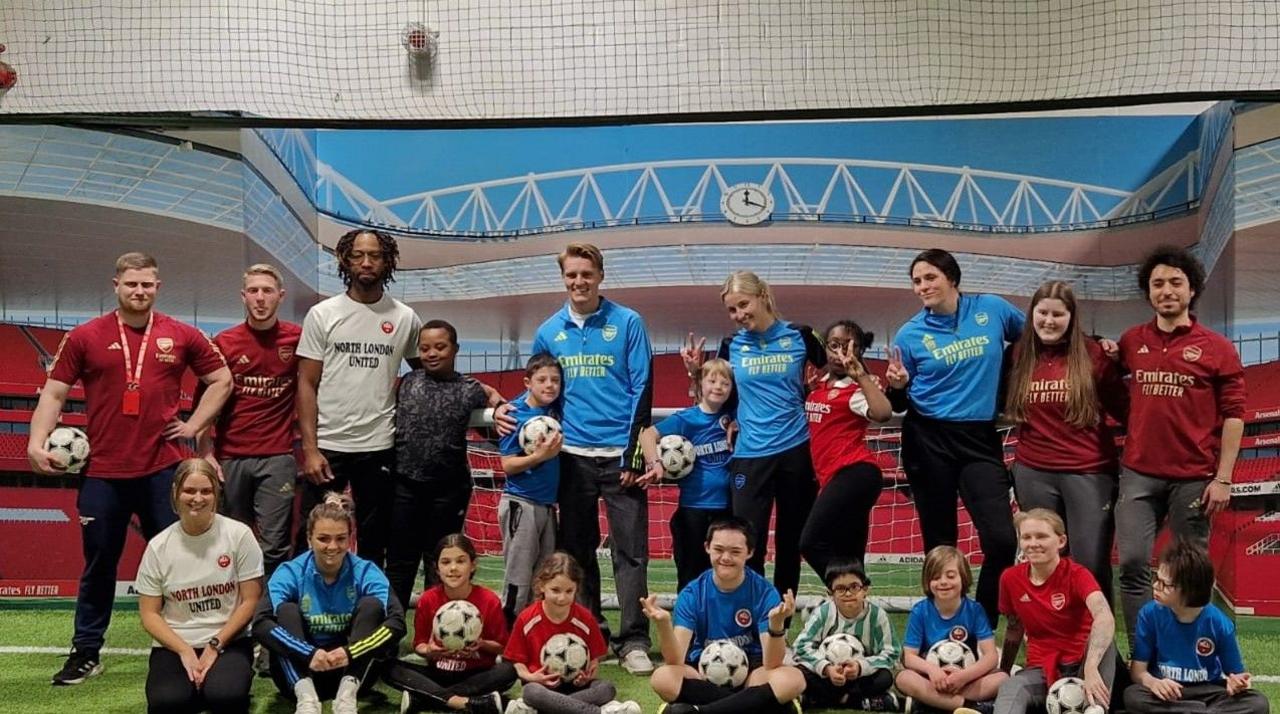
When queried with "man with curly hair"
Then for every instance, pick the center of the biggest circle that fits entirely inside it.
(349, 357)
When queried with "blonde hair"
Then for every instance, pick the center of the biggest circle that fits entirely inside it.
(191, 467)
(263, 269)
(136, 261)
(748, 283)
(581, 250)
(1040, 514)
(335, 507)
(718, 367)
(936, 561)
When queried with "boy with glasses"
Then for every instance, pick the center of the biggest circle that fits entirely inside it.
(865, 682)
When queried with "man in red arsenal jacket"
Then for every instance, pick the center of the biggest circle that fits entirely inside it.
(1186, 394)
(131, 362)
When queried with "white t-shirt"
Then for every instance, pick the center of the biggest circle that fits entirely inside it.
(199, 576)
(362, 347)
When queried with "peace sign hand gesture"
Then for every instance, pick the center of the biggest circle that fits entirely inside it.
(693, 354)
(896, 374)
(849, 360)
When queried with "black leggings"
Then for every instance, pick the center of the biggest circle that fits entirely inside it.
(423, 512)
(286, 672)
(838, 524)
(688, 541)
(943, 459)
(788, 478)
(226, 686)
(820, 692)
(430, 686)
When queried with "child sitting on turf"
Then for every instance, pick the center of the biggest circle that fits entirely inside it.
(555, 612)
(470, 679)
(865, 682)
(727, 602)
(704, 493)
(525, 514)
(947, 613)
(1185, 654)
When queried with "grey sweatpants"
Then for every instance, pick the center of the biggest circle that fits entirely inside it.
(1198, 698)
(1026, 691)
(258, 491)
(528, 536)
(1144, 505)
(1086, 503)
(568, 700)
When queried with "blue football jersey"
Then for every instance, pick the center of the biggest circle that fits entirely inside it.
(740, 616)
(707, 486)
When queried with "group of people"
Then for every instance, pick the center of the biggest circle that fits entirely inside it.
(767, 433)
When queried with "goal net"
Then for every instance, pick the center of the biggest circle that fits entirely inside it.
(895, 550)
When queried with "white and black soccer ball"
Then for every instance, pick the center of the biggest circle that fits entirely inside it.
(677, 456)
(724, 663)
(1067, 696)
(841, 648)
(536, 430)
(566, 655)
(457, 625)
(950, 653)
(68, 446)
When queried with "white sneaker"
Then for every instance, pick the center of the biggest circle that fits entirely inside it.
(517, 706)
(637, 662)
(344, 702)
(615, 707)
(406, 702)
(308, 701)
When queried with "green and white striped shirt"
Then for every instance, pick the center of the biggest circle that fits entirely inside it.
(871, 627)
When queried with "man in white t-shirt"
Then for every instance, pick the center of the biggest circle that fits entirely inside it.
(350, 354)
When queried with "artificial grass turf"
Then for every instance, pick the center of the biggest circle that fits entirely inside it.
(24, 678)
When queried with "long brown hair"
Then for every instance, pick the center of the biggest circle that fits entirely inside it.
(1082, 395)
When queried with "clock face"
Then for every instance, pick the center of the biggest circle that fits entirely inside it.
(746, 204)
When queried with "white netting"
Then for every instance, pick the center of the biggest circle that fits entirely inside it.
(577, 59)
(894, 549)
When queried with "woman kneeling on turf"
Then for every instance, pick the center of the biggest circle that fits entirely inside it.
(727, 602)
(198, 583)
(1057, 603)
(326, 614)
(468, 679)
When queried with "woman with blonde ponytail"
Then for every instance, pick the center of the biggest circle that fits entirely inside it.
(1061, 387)
(327, 614)
(771, 460)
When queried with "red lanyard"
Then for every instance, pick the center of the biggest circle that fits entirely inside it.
(132, 373)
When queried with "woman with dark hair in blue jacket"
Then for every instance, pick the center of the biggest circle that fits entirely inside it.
(944, 371)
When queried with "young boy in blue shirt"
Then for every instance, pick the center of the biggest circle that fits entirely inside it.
(1185, 654)
(525, 513)
(704, 493)
(727, 602)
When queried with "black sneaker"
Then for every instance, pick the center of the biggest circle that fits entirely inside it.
(485, 704)
(78, 667)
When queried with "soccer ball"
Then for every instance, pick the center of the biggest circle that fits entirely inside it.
(950, 653)
(565, 655)
(723, 663)
(457, 625)
(536, 430)
(68, 446)
(841, 648)
(677, 456)
(1067, 696)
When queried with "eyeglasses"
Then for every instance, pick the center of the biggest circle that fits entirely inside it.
(848, 589)
(1160, 583)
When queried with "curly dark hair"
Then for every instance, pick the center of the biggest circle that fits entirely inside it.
(1177, 258)
(386, 243)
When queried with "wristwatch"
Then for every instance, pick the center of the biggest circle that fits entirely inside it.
(216, 644)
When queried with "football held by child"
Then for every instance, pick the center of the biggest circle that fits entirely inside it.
(526, 514)
(556, 616)
(864, 679)
(704, 492)
(728, 602)
(947, 614)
